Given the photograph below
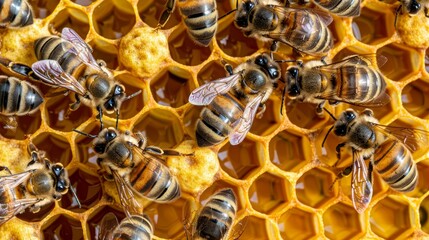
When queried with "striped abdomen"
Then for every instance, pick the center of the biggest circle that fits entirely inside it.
(200, 17)
(18, 97)
(15, 13)
(215, 219)
(135, 228)
(306, 32)
(359, 83)
(216, 119)
(154, 180)
(394, 162)
(55, 48)
(346, 8)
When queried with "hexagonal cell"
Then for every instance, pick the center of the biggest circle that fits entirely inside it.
(113, 18)
(232, 41)
(211, 71)
(391, 218)
(215, 187)
(171, 90)
(107, 52)
(422, 183)
(423, 214)
(43, 8)
(85, 151)
(342, 222)
(95, 219)
(402, 61)
(251, 227)
(56, 147)
(27, 125)
(297, 224)
(287, 151)
(62, 227)
(161, 128)
(72, 18)
(167, 219)
(242, 160)
(312, 188)
(373, 26)
(414, 98)
(88, 190)
(183, 49)
(271, 119)
(415, 141)
(28, 216)
(150, 11)
(304, 115)
(58, 117)
(268, 192)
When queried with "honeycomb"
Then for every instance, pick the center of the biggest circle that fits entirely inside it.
(285, 182)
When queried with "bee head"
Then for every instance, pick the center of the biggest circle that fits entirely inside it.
(104, 137)
(114, 101)
(413, 7)
(271, 67)
(62, 182)
(292, 88)
(343, 122)
(243, 12)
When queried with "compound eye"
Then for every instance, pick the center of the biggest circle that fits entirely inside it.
(274, 73)
(110, 135)
(61, 186)
(350, 116)
(110, 105)
(414, 7)
(99, 148)
(261, 60)
(248, 5)
(293, 91)
(119, 90)
(293, 72)
(340, 130)
(57, 170)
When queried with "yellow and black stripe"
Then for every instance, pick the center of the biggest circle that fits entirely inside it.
(134, 228)
(345, 8)
(15, 13)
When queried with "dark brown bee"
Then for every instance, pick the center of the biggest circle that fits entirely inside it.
(137, 227)
(200, 17)
(15, 14)
(353, 80)
(301, 29)
(344, 8)
(386, 147)
(232, 102)
(41, 183)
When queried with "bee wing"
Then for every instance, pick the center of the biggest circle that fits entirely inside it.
(245, 123)
(107, 225)
(126, 195)
(361, 183)
(9, 210)
(205, 94)
(81, 49)
(53, 74)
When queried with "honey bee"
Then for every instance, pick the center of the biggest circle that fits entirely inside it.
(199, 16)
(347, 8)
(352, 80)
(302, 29)
(137, 227)
(41, 183)
(232, 102)
(216, 217)
(67, 62)
(15, 14)
(387, 148)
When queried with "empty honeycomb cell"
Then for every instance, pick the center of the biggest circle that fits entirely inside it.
(211, 71)
(111, 21)
(56, 147)
(107, 52)
(242, 160)
(27, 126)
(373, 26)
(62, 227)
(422, 183)
(271, 119)
(150, 11)
(183, 49)
(342, 222)
(391, 218)
(402, 62)
(59, 117)
(414, 98)
(96, 217)
(29, 216)
(251, 227)
(85, 150)
(297, 223)
(171, 90)
(231, 40)
(161, 128)
(72, 18)
(269, 192)
(423, 214)
(87, 186)
(304, 114)
(43, 8)
(313, 187)
(287, 151)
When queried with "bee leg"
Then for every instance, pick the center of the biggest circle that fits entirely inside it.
(338, 149)
(368, 112)
(426, 12)
(165, 15)
(345, 172)
(142, 140)
(73, 106)
(154, 150)
(319, 109)
(260, 113)
(399, 9)
(100, 117)
(4, 168)
(9, 122)
(53, 31)
(228, 68)
(333, 102)
(34, 154)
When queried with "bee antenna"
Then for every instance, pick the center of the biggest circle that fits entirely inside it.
(283, 61)
(133, 95)
(226, 14)
(117, 118)
(283, 100)
(326, 136)
(84, 133)
(75, 196)
(330, 114)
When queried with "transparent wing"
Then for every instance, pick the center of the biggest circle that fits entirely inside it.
(245, 123)
(9, 210)
(126, 195)
(80, 48)
(205, 94)
(52, 74)
(361, 183)
(107, 226)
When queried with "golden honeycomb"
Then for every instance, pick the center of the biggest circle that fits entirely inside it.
(280, 172)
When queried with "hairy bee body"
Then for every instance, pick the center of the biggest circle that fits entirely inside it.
(18, 98)
(15, 13)
(347, 8)
(136, 227)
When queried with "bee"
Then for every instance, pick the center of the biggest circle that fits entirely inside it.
(347, 8)
(216, 217)
(199, 16)
(387, 148)
(412, 7)
(302, 29)
(15, 14)
(67, 62)
(137, 227)
(352, 80)
(232, 102)
(41, 183)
